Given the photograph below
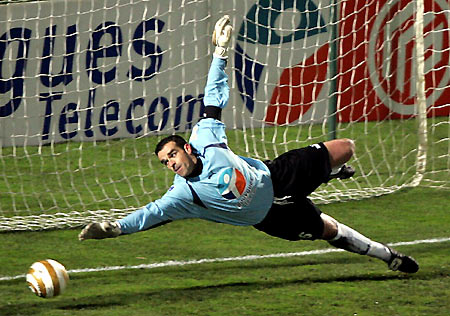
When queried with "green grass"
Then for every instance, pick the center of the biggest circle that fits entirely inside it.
(328, 284)
(125, 173)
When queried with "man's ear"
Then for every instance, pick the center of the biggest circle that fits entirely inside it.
(188, 148)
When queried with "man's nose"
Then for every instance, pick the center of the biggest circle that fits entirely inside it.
(171, 164)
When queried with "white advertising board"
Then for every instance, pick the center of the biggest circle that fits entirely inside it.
(92, 70)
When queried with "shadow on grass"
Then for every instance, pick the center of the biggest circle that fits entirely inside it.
(126, 289)
(121, 299)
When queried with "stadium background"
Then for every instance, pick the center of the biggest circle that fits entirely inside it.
(117, 74)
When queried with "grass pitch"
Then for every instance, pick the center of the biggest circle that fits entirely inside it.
(77, 176)
(121, 174)
(326, 284)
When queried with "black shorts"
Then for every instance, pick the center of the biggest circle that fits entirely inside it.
(296, 174)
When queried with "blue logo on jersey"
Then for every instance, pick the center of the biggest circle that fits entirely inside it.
(231, 183)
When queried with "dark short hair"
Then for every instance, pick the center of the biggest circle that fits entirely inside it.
(179, 141)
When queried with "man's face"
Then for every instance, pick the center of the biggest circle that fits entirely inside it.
(179, 160)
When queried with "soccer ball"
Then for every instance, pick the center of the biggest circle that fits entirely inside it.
(47, 278)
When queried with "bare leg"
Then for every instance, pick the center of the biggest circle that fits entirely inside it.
(340, 151)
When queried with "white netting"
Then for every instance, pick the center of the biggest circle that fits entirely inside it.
(88, 87)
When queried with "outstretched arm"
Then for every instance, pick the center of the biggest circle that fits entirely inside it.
(141, 219)
(174, 205)
(217, 90)
(147, 217)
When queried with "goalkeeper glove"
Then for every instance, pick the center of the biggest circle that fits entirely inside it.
(100, 231)
(221, 36)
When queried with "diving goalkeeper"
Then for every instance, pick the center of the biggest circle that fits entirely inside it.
(213, 183)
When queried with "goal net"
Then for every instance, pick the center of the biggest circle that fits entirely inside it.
(87, 88)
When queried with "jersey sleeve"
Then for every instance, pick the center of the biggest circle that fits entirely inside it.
(217, 91)
(171, 206)
(208, 132)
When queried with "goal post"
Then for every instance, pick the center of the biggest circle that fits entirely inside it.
(87, 89)
(421, 100)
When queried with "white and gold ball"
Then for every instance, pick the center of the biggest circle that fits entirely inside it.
(47, 278)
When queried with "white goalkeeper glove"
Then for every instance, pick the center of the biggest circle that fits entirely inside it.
(221, 36)
(100, 231)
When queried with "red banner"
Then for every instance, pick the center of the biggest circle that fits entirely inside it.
(377, 62)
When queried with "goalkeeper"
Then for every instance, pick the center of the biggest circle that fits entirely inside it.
(213, 183)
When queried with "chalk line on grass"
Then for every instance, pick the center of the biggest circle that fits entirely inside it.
(174, 263)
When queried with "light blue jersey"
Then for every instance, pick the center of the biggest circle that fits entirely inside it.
(230, 189)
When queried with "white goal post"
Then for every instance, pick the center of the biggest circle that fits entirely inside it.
(87, 88)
